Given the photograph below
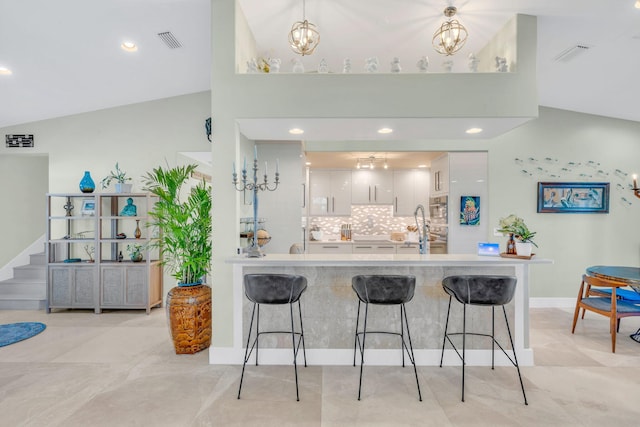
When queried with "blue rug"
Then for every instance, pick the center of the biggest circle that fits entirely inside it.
(14, 332)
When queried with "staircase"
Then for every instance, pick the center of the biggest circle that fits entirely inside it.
(27, 290)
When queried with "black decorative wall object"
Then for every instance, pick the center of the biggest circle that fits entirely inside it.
(14, 141)
(207, 127)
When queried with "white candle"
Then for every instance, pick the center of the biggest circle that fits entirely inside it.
(244, 168)
(635, 181)
(234, 168)
(265, 168)
(277, 165)
(255, 152)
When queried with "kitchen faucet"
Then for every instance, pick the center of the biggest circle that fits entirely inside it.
(423, 232)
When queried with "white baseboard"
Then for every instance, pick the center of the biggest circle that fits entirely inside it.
(6, 272)
(552, 302)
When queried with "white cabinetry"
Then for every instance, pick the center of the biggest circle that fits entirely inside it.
(329, 248)
(372, 187)
(410, 189)
(330, 192)
(440, 175)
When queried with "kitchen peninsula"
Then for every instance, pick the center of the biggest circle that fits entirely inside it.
(329, 308)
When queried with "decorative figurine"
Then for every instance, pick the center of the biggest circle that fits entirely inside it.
(423, 64)
(297, 65)
(323, 68)
(130, 209)
(395, 65)
(346, 66)
(501, 64)
(447, 66)
(371, 65)
(473, 63)
(252, 66)
(274, 65)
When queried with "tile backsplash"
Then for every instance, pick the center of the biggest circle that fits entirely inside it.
(364, 219)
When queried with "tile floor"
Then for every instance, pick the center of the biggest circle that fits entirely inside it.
(119, 369)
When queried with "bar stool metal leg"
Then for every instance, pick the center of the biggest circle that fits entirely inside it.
(356, 338)
(364, 337)
(410, 351)
(295, 353)
(246, 350)
(514, 355)
(304, 351)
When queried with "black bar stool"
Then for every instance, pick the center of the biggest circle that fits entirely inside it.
(274, 289)
(482, 291)
(384, 290)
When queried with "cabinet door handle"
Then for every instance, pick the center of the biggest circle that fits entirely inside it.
(327, 204)
(304, 195)
(396, 205)
(333, 204)
(369, 193)
(375, 193)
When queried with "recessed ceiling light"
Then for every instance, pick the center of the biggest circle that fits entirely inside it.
(385, 130)
(129, 46)
(422, 166)
(4, 71)
(637, 4)
(471, 131)
(308, 163)
(296, 131)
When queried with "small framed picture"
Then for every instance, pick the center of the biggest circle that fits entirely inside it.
(88, 207)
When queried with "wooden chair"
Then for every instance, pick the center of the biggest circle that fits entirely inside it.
(609, 306)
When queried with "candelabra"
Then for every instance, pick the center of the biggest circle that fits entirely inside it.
(254, 186)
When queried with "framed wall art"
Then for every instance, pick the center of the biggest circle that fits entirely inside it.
(470, 210)
(573, 197)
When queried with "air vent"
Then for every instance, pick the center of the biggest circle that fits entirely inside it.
(170, 40)
(568, 54)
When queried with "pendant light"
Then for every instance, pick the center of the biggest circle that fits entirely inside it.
(451, 35)
(304, 36)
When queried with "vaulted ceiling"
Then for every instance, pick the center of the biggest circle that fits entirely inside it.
(65, 55)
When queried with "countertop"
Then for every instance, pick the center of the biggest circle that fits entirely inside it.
(380, 259)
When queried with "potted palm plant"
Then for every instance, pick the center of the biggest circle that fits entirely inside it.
(184, 225)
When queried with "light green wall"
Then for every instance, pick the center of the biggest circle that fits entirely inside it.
(23, 184)
(573, 241)
(138, 136)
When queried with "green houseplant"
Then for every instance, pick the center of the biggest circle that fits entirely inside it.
(120, 177)
(184, 238)
(514, 225)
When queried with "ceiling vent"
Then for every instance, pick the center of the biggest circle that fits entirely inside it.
(568, 54)
(170, 40)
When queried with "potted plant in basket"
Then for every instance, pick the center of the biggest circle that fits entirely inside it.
(184, 224)
(516, 227)
(120, 178)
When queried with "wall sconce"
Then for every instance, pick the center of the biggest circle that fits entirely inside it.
(636, 190)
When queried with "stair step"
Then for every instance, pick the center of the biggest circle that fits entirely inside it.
(18, 286)
(22, 302)
(30, 272)
(38, 259)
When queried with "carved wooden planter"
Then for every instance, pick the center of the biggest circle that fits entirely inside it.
(189, 316)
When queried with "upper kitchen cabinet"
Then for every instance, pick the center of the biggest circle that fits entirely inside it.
(410, 189)
(440, 175)
(330, 192)
(372, 187)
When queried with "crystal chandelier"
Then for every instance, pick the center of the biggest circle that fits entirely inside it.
(304, 37)
(451, 35)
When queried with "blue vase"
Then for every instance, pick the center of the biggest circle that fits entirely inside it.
(86, 183)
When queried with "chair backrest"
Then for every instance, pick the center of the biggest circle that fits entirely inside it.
(274, 288)
(481, 290)
(384, 289)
